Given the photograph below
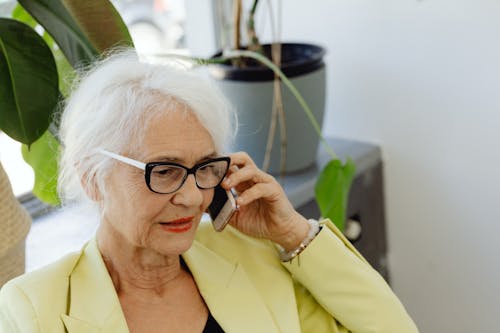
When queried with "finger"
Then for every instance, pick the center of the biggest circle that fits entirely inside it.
(258, 191)
(241, 159)
(247, 176)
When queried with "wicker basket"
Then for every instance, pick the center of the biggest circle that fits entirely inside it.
(15, 223)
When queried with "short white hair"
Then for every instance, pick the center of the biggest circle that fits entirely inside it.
(111, 104)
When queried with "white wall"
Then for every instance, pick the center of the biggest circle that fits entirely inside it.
(422, 79)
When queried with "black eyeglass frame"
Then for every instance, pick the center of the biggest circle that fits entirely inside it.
(189, 171)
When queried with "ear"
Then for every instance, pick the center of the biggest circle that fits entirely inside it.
(91, 188)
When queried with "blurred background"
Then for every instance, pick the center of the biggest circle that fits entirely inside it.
(420, 78)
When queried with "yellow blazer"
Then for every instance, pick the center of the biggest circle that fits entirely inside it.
(330, 288)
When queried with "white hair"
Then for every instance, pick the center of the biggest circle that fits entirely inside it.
(110, 106)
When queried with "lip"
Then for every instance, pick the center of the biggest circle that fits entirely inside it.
(182, 224)
(182, 220)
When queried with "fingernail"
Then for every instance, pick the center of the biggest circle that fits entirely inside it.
(227, 181)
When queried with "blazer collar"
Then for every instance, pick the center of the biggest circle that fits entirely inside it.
(93, 305)
(232, 298)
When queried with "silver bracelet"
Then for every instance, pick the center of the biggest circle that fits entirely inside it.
(314, 229)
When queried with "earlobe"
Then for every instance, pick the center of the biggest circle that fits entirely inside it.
(91, 189)
(94, 194)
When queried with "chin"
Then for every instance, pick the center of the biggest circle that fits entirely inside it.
(177, 249)
(175, 244)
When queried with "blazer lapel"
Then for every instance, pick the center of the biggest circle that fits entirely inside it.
(234, 301)
(93, 305)
(232, 298)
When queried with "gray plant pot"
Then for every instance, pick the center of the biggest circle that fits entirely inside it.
(250, 90)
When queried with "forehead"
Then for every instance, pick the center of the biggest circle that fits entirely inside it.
(176, 135)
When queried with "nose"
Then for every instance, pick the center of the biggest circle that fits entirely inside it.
(189, 194)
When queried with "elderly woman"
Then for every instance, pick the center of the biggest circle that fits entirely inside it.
(144, 143)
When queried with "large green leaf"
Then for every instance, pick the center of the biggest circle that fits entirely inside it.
(55, 18)
(42, 156)
(66, 72)
(28, 82)
(22, 15)
(82, 29)
(100, 22)
(332, 190)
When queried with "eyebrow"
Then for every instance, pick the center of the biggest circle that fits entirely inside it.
(180, 160)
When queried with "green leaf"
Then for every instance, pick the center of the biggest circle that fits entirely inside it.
(22, 15)
(58, 22)
(66, 72)
(28, 82)
(82, 29)
(100, 22)
(42, 156)
(332, 190)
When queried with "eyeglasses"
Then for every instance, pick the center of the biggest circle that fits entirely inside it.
(167, 177)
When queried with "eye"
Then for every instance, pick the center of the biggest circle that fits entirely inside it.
(167, 171)
(207, 167)
(163, 170)
(213, 169)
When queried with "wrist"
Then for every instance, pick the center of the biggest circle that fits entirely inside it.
(295, 236)
(288, 255)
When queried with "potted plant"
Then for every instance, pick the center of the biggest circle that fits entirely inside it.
(256, 92)
(292, 145)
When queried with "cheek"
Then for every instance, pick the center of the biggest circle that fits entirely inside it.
(208, 195)
(128, 203)
(143, 205)
(123, 195)
(133, 215)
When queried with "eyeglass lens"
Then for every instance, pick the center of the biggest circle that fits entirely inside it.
(169, 178)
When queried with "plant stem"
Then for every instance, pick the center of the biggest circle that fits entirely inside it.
(254, 7)
(278, 101)
(253, 40)
(237, 20)
(195, 61)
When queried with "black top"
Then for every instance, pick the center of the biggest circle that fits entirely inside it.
(212, 326)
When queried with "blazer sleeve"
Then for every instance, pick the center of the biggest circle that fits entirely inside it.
(347, 287)
(16, 311)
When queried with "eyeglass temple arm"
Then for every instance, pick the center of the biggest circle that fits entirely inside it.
(123, 159)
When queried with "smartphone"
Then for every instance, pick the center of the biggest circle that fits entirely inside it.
(222, 208)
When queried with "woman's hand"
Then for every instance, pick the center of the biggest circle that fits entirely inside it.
(264, 210)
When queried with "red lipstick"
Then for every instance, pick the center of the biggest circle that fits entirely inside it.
(182, 224)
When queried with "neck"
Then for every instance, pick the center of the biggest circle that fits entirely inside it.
(137, 269)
